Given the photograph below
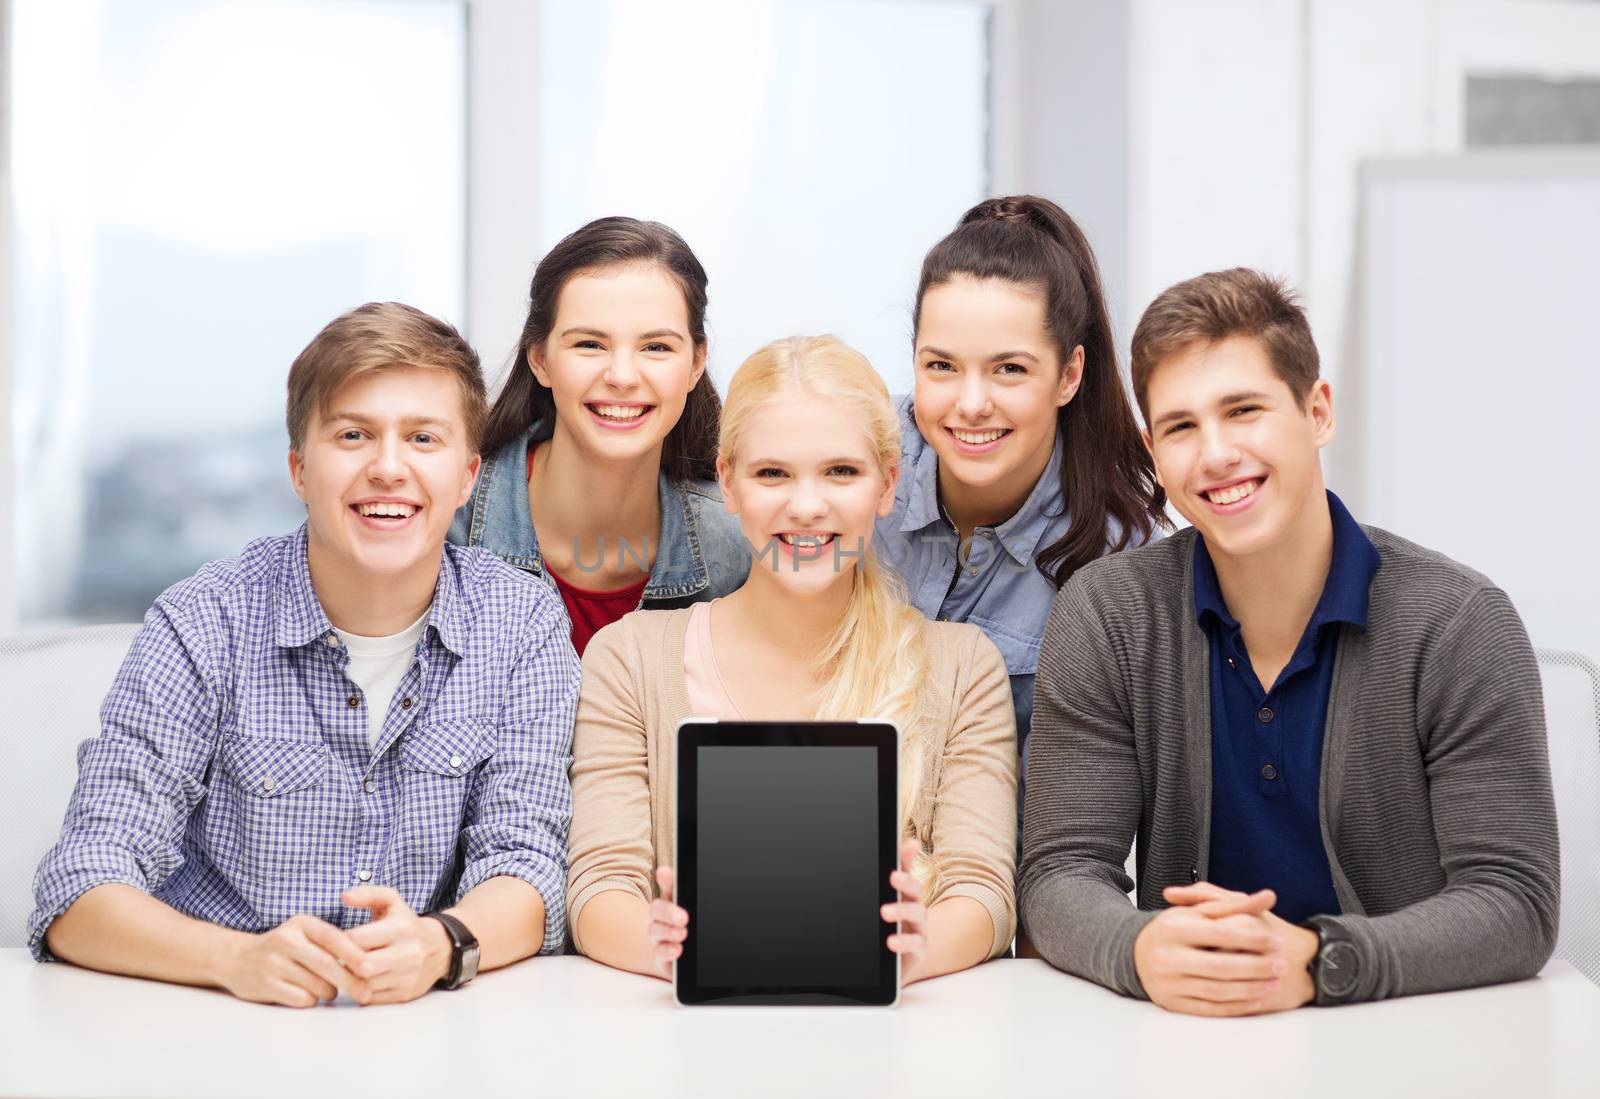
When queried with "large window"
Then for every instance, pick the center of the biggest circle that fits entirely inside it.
(199, 185)
(197, 188)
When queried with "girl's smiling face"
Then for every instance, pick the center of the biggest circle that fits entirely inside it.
(807, 489)
(620, 360)
(989, 382)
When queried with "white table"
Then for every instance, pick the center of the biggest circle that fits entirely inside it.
(568, 1027)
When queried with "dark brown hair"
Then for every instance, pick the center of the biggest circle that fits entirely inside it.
(381, 336)
(1212, 307)
(690, 449)
(1106, 473)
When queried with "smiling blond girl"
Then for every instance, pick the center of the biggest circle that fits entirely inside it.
(808, 458)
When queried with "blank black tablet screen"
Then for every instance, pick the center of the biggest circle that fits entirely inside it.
(788, 888)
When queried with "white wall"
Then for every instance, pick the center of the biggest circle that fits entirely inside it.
(1478, 351)
(502, 173)
(1189, 136)
(1060, 100)
(1217, 141)
(8, 569)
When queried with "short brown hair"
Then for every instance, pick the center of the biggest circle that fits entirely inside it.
(1212, 307)
(381, 336)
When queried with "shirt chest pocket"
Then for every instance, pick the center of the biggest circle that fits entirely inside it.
(439, 762)
(276, 809)
(1019, 650)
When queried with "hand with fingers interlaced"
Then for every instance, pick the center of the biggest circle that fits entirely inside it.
(1220, 952)
(300, 963)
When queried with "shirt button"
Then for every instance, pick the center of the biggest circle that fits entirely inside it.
(269, 784)
(1231, 664)
(364, 875)
(353, 701)
(332, 640)
(405, 703)
(370, 786)
(944, 617)
(973, 571)
(455, 761)
(1269, 772)
(1194, 874)
(1265, 714)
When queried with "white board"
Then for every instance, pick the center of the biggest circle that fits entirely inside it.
(1471, 420)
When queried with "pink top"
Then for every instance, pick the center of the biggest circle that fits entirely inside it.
(708, 692)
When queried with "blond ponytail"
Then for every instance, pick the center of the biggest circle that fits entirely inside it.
(875, 665)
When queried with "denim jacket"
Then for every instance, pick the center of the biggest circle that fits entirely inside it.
(702, 552)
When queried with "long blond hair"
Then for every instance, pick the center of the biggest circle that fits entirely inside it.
(875, 662)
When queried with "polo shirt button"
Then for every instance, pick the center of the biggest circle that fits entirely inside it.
(1265, 714)
(353, 701)
(1269, 772)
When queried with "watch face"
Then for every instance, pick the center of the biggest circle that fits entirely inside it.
(1339, 970)
(469, 963)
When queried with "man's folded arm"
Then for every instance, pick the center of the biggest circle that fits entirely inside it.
(1487, 762)
(138, 782)
(1082, 805)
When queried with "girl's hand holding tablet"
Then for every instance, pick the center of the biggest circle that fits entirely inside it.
(911, 941)
(669, 922)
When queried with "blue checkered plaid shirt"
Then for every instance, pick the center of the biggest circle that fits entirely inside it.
(232, 778)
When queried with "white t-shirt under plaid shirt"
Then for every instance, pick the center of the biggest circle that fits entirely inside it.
(377, 665)
(233, 777)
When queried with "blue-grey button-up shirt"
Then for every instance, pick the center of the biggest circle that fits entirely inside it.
(702, 553)
(999, 587)
(233, 779)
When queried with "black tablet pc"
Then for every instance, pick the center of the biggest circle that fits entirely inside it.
(786, 835)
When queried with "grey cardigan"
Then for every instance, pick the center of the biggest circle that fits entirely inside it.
(1437, 814)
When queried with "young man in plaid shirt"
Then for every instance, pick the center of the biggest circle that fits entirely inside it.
(313, 742)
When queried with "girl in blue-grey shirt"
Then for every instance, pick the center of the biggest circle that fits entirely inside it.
(1022, 459)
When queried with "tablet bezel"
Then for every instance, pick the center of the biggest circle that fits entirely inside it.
(694, 733)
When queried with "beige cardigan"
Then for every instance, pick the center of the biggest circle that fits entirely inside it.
(624, 751)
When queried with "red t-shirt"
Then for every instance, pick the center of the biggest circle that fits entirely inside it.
(591, 610)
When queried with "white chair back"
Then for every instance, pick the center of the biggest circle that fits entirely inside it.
(1572, 716)
(53, 684)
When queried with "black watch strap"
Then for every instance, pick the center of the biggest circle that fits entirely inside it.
(463, 951)
(1336, 966)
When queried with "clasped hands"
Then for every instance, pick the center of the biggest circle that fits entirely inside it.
(669, 923)
(1221, 952)
(305, 960)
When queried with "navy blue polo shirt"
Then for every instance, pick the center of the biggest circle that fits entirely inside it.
(1266, 746)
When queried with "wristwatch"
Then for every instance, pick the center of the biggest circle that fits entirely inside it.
(1336, 966)
(463, 951)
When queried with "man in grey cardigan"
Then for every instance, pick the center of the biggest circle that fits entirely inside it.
(1328, 741)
